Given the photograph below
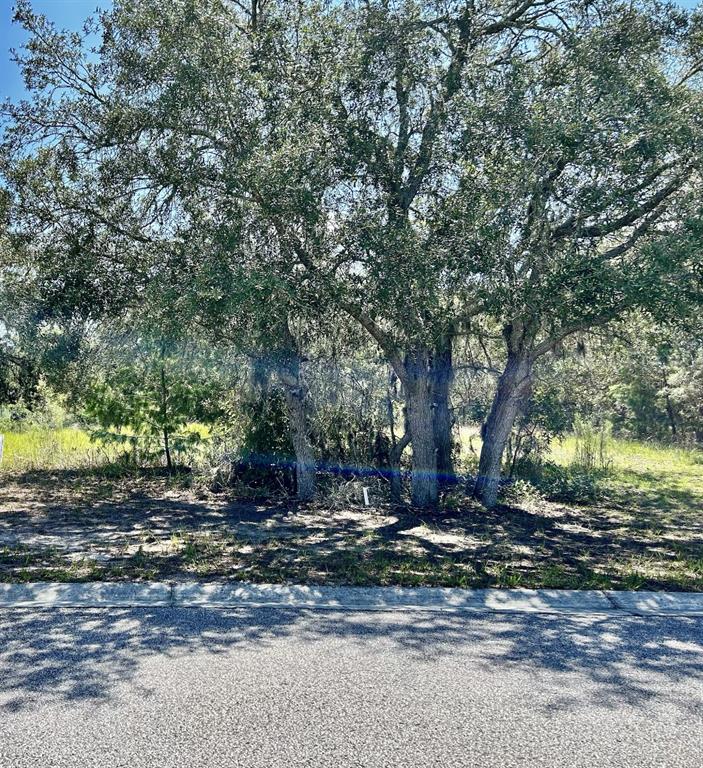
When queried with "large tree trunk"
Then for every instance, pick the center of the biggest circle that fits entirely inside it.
(442, 377)
(396, 454)
(513, 387)
(395, 470)
(296, 406)
(398, 445)
(304, 455)
(417, 382)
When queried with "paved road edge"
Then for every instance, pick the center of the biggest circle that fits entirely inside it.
(241, 595)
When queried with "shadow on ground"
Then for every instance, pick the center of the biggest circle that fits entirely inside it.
(69, 526)
(72, 655)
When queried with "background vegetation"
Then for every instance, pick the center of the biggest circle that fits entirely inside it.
(451, 252)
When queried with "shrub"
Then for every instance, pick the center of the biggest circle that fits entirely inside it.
(520, 491)
(266, 455)
(568, 484)
(147, 406)
(349, 442)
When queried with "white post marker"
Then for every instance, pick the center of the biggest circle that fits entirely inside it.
(366, 496)
(2, 445)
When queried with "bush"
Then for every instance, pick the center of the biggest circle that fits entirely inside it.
(46, 412)
(349, 442)
(266, 453)
(520, 491)
(148, 406)
(572, 485)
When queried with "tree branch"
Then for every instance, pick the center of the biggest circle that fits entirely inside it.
(573, 225)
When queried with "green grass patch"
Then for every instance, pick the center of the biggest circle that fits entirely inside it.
(645, 476)
(43, 448)
(38, 448)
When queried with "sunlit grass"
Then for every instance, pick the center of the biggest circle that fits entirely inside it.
(37, 448)
(666, 476)
(639, 473)
(636, 456)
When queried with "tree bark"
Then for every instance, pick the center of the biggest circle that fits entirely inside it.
(397, 445)
(396, 454)
(296, 395)
(396, 473)
(304, 455)
(417, 381)
(442, 377)
(164, 410)
(513, 387)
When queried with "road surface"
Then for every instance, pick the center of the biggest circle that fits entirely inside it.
(181, 687)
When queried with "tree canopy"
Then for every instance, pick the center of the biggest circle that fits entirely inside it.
(431, 170)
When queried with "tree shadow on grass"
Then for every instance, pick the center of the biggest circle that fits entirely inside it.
(155, 532)
(69, 655)
(656, 494)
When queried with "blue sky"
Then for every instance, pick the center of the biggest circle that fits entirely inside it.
(68, 14)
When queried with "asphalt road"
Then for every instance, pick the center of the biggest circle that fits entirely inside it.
(188, 687)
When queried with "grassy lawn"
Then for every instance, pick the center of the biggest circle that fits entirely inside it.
(61, 518)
